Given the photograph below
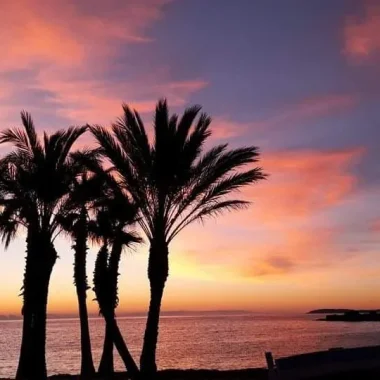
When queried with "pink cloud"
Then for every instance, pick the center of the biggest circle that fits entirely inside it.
(362, 36)
(302, 183)
(224, 128)
(375, 226)
(69, 33)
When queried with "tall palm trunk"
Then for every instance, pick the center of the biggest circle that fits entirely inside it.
(40, 259)
(158, 271)
(87, 364)
(80, 280)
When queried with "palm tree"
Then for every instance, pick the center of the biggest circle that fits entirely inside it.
(114, 215)
(174, 184)
(36, 178)
(75, 222)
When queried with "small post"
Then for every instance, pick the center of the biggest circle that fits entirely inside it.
(270, 361)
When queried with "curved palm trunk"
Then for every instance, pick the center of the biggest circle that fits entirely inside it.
(114, 336)
(122, 349)
(40, 259)
(106, 293)
(111, 323)
(158, 271)
(106, 366)
(80, 280)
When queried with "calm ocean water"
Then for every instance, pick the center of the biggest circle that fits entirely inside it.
(204, 341)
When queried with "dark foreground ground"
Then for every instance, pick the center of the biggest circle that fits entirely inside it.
(243, 374)
(252, 374)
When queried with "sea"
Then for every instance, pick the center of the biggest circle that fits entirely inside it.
(214, 341)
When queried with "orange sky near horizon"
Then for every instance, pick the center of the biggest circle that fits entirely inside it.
(302, 83)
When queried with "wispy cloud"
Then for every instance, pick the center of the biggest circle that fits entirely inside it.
(286, 116)
(99, 101)
(273, 264)
(308, 109)
(64, 60)
(297, 250)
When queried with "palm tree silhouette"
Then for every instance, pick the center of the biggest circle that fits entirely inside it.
(114, 217)
(173, 184)
(75, 222)
(36, 178)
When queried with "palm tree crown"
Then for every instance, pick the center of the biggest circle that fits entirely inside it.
(171, 181)
(37, 176)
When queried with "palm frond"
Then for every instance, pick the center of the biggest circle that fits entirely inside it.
(130, 238)
(17, 137)
(8, 231)
(231, 183)
(186, 123)
(110, 149)
(194, 144)
(161, 125)
(131, 133)
(225, 162)
(209, 211)
(70, 136)
(30, 129)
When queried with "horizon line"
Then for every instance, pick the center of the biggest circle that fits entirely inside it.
(74, 315)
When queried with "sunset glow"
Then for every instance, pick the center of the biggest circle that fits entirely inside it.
(304, 87)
